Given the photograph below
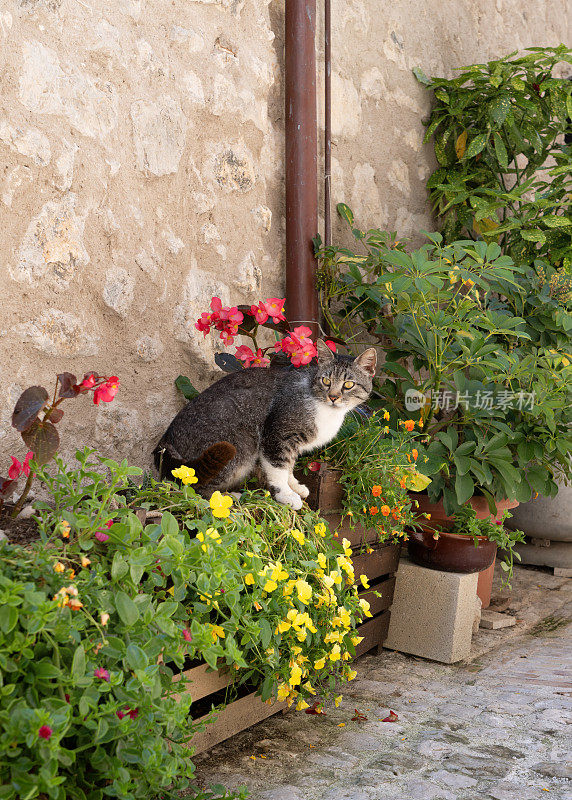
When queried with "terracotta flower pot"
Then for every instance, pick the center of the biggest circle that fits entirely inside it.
(451, 552)
(456, 553)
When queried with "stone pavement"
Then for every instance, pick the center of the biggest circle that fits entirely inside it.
(489, 729)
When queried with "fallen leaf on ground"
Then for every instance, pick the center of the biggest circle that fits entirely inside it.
(315, 708)
(359, 717)
(391, 718)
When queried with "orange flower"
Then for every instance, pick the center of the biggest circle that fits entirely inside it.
(395, 513)
(415, 454)
(420, 423)
(409, 424)
(376, 491)
(386, 511)
(374, 510)
(402, 483)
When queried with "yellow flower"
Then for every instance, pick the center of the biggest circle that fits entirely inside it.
(309, 688)
(337, 700)
(65, 528)
(58, 567)
(351, 674)
(283, 626)
(386, 415)
(347, 548)
(301, 705)
(304, 591)
(322, 561)
(185, 474)
(249, 579)
(364, 605)
(328, 580)
(335, 654)
(356, 640)
(283, 691)
(320, 663)
(217, 632)
(257, 605)
(278, 571)
(104, 618)
(220, 505)
(298, 535)
(269, 586)
(320, 529)
(336, 577)
(212, 533)
(364, 583)
(85, 562)
(295, 675)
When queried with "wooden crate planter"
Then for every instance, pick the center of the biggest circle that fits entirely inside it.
(379, 566)
(236, 717)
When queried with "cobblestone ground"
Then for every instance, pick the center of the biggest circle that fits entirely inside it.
(491, 728)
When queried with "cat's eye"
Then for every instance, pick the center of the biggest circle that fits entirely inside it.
(326, 382)
(349, 385)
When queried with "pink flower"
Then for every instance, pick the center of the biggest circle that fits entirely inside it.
(331, 345)
(227, 337)
(122, 714)
(216, 305)
(274, 307)
(26, 464)
(88, 382)
(303, 356)
(314, 466)
(187, 635)
(45, 732)
(15, 470)
(259, 360)
(107, 391)
(244, 353)
(259, 313)
(100, 535)
(133, 713)
(102, 673)
(204, 323)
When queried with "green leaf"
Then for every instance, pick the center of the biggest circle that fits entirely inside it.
(126, 609)
(346, 213)
(265, 633)
(554, 221)
(187, 389)
(119, 567)
(136, 657)
(499, 109)
(169, 525)
(477, 144)
(8, 618)
(464, 488)
(462, 463)
(421, 77)
(78, 662)
(500, 150)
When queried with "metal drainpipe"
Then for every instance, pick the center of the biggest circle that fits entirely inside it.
(301, 162)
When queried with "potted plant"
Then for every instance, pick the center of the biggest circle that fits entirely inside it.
(493, 410)
(359, 483)
(505, 175)
(467, 544)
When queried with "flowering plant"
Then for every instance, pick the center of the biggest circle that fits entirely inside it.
(41, 435)
(295, 344)
(93, 629)
(377, 466)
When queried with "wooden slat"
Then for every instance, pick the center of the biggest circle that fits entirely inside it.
(236, 717)
(356, 536)
(382, 561)
(374, 632)
(385, 590)
(204, 682)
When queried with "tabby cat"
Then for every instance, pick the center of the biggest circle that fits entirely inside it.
(265, 418)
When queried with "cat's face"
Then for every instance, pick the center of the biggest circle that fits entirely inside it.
(342, 382)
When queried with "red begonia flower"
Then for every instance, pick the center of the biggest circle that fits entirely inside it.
(102, 673)
(107, 391)
(15, 470)
(259, 313)
(89, 381)
(274, 307)
(26, 464)
(331, 345)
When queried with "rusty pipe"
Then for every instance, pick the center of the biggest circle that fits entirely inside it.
(327, 122)
(301, 162)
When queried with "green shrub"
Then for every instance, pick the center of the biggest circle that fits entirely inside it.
(97, 617)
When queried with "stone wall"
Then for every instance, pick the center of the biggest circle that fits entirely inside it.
(141, 145)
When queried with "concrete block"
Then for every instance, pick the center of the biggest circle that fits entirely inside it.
(562, 572)
(493, 621)
(432, 613)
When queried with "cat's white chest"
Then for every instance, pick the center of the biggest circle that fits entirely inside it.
(328, 421)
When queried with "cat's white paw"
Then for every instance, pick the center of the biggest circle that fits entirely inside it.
(302, 490)
(289, 498)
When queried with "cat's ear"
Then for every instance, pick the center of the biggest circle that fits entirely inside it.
(368, 361)
(324, 353)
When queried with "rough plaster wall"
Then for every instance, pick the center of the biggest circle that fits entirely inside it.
(141, 172)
